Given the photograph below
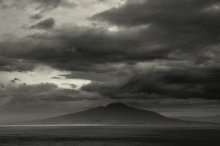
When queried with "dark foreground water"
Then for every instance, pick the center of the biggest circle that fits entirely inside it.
(108, 136)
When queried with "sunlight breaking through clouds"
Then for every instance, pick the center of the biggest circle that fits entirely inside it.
(42, 74)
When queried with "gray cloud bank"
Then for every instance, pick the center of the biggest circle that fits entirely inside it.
(40, 97)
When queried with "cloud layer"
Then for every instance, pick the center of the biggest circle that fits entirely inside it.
(140, 50)
(45, 96)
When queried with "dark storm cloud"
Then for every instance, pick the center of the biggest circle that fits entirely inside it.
(185, 26)
(170, 31)
(170, 12)
(11, 64)
(176, 83)
(83, 48)
(44, 24)
(48, 95)
(186, 30)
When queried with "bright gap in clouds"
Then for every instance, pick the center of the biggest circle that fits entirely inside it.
(42, 74)
(113, 29)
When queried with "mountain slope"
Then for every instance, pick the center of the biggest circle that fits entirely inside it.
(215, 119)
(115, 113)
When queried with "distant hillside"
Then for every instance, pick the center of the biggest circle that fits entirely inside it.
(114, 113)
(215, 119)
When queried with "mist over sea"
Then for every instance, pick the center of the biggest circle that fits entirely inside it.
(63, 135)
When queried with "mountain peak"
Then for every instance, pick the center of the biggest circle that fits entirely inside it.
(116, 105)
(113, 113)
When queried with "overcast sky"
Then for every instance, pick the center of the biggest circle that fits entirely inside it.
(63, 56)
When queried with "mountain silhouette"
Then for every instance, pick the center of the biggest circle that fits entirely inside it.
(114, 113)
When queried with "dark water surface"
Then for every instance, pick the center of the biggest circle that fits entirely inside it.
(108, 136)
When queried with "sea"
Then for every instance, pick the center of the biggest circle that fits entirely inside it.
(95, 135)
